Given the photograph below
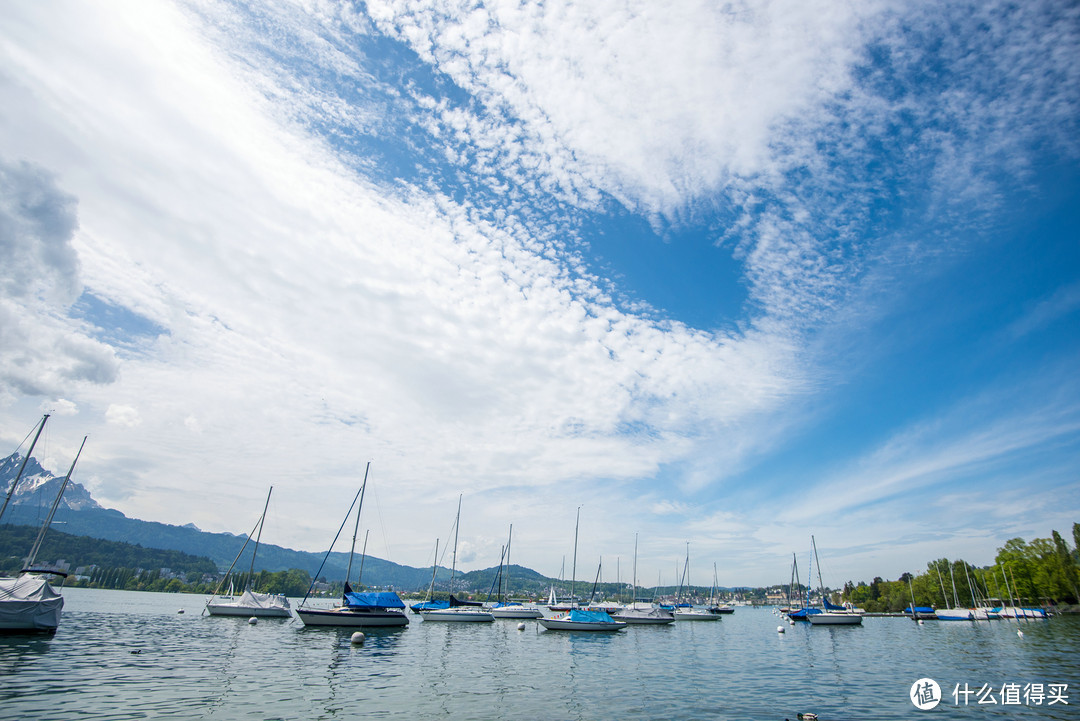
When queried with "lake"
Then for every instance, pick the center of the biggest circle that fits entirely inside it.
(129, 655)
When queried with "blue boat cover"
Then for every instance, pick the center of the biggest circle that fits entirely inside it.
(919, 609)
(832, 606)
(589, 616)
(430, 606)
(381, 599)
(804, 612)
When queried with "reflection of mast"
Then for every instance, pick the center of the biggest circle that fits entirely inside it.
(22, 468)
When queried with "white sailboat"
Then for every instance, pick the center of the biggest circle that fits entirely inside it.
(458, 611)
(831, 615)
(952, 613)
(509, 609)
(29, 602)
(356, 609)
(689, 612)
(251, 603)
(642, 613)
(577, 619)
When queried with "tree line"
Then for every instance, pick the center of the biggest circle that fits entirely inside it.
(1044, 572)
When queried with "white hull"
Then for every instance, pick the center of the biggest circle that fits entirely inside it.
(517, 612)
(953, 614)
(349, 618)
(1021, 613)
(263, 605)
(556, 624)
(460, 614)
(695, 614)
(638, 618)
(29, 603)
(229, 609)
(829, 618)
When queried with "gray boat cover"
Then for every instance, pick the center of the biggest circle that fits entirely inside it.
(29, 602)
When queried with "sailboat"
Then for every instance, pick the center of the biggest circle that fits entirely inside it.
(509, 609)
(951, 613)
(714, 599)
(250, 603)
(641, 612)
(686, 611)
(29, 602)
(831, 615)
(384, 608)
(457, 611)
(577, 619)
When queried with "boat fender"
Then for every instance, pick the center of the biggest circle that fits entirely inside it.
(253, 620)
(357, 638)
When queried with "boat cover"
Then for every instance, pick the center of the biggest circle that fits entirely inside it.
(919, 609)
(28, 601)
(380, 599)
(250, 599)
(455, 601)
(589, 616)
(832, 606)
(430, 606)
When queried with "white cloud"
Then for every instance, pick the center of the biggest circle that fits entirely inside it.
(121, 415)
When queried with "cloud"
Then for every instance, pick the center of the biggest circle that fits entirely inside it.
(120, 415)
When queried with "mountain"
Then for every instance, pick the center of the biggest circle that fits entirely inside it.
(79, 514)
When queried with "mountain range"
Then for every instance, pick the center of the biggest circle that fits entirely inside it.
(79, 514)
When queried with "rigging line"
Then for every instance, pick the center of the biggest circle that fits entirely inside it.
(382, 526)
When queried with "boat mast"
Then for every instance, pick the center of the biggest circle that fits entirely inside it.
(434, 567)
(633, 597)
(956, 600)
(453, 562)
(509, 538)
(22, 467)
(363, 555)
(52, 511)
(912, 589)
(573, 572)
(262, 519)
(356, 528)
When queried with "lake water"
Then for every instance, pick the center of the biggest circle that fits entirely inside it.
(190, 666)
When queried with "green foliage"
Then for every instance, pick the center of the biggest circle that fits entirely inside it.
(1044, 571)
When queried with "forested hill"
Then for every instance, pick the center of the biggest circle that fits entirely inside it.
(80, 551)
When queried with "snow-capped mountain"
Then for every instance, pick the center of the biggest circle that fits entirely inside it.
(39, 486)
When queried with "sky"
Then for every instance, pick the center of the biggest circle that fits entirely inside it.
(719, 277)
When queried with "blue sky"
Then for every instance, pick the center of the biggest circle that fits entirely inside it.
(727, 275)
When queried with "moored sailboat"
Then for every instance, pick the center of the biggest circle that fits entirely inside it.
(251, 602)
(457, 611)
(383, 608)
(29, 602)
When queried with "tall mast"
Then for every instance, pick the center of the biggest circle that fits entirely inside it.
(262, 519)
(356, 528)
(573, 579)
(633, 598)
(22, 467)
(453, 563)
(363, 555)
(509, 538)
(434, 567)
(48, 520)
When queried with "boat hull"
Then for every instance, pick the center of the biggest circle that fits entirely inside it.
(555, 624)
(521, 613)
(695, 615)
(458, 615)
(227, 609)
(29, 603)
(834, 619)
(350, 618)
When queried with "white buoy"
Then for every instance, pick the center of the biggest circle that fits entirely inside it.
(180, 611)
(521, 626)
(357, 638)
(780, 629)
(253, 620)
(921, 622)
